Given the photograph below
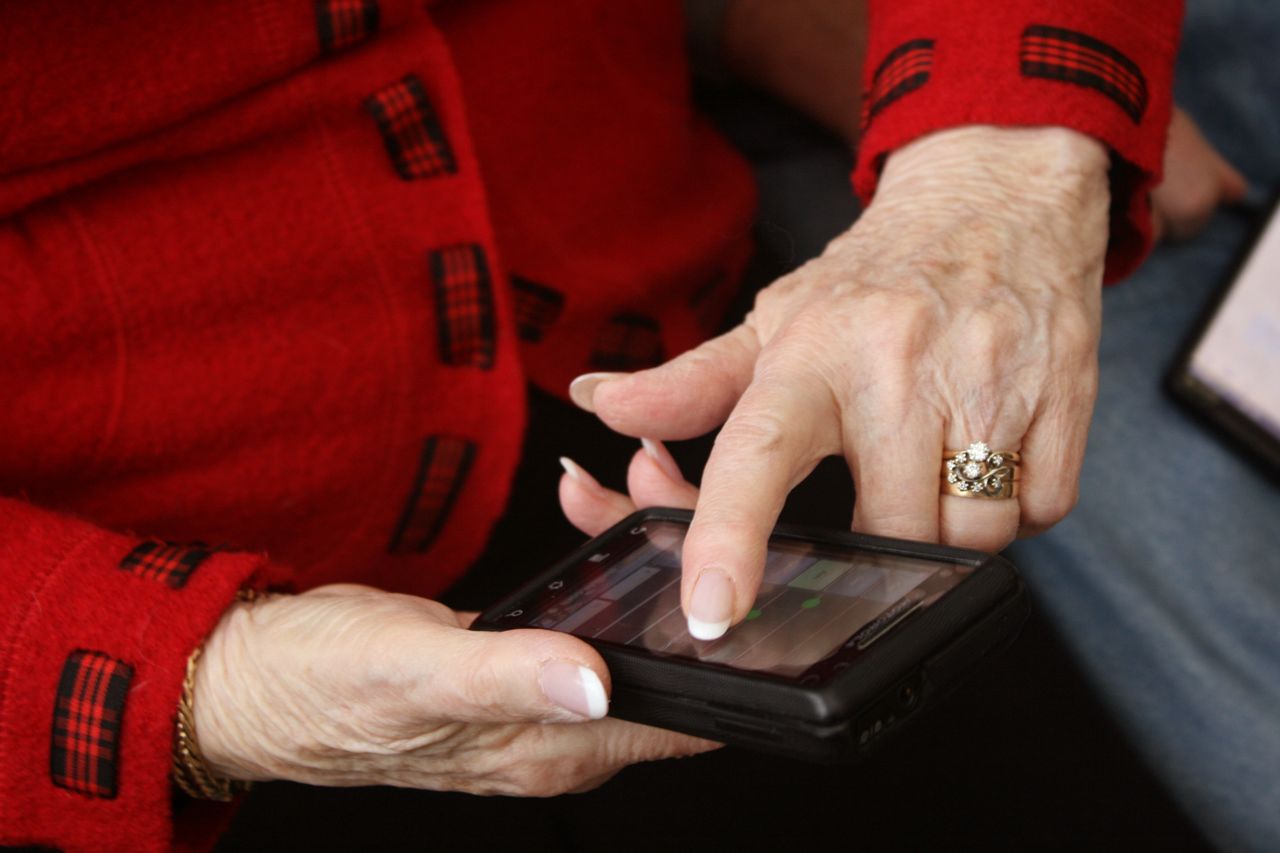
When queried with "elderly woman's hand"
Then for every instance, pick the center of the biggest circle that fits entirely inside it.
(963, 306)
(347, 685)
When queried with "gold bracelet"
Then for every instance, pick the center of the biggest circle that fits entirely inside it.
(190, 770)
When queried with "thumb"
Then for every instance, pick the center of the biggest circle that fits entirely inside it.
(686, 397)
(1234, 186)
(519, 676)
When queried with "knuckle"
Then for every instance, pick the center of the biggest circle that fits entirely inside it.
(767, 299)
(758, 431)
(987, 339)
(479, 683)
(896, 325)
(776, 301)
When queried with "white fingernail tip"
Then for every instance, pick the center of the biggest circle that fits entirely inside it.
(700, 630)
(571, 468)
(597, 699)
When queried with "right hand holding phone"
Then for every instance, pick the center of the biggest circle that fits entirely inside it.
(348, 685)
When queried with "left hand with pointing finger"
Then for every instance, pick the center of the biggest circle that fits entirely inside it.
(963, 306)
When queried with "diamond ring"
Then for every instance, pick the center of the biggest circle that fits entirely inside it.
(980, 472)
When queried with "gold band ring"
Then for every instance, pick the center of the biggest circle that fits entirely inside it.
(980, 472)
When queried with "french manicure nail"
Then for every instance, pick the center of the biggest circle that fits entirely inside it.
(662, 458)
(711, 605)
(578, 473)
(573, 687)
(583, 389)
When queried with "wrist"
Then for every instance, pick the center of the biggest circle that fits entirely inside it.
(1003, 169)
(219, 716)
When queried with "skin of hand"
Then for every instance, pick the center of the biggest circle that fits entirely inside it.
(964, 305)
(348, 685)
(1197, 179)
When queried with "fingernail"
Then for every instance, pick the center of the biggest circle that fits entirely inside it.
(663, 458)
(578, 473)
(583, 389)
(574, 687)
(711, 605)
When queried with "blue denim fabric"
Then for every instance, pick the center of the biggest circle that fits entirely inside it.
(1165, 581)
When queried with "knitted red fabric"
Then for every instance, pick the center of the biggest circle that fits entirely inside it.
(1102, 67)
(253, 297)
(275, 273)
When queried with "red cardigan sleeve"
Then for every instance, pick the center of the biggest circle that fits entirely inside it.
(1103, 67)
(95, 631)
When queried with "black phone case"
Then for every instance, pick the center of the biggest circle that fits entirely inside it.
(833, 720)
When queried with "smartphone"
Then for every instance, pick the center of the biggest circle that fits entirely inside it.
(850, 638)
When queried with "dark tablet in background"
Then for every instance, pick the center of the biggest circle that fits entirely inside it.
(1229, 371)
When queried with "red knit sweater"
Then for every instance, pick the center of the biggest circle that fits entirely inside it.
(274, 274)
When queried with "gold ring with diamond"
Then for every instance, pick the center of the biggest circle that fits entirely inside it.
(980, 472)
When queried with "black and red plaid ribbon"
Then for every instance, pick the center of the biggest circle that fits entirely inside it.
(464, 305)
(905, 69)
(1055, 53)
(627, 342)
(442, 469)
(410, 130)
(162, 561)
(85, 749)
(342, 23)
(537, 307)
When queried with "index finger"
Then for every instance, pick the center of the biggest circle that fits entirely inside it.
(783, 425)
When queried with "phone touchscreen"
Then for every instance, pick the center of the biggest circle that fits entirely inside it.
(814, 600)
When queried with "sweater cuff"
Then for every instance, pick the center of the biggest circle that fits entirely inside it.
(92, 657)
(1101, 67)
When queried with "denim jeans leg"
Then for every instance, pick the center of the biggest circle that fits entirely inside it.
(1165, 581)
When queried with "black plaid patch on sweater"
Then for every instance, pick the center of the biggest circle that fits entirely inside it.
(411, 130)
(442, 470)
(464, 305)
(162, 561)
(1055, 53)
(536, 307)
(627, 342)
(342, 23)
(85, 749)
(905, 69)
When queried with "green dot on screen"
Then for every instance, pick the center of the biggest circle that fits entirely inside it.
(810, 603)
(754, 614)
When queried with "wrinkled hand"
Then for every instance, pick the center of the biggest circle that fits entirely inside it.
(1197, 179)
(963, 305)
(347, 685)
